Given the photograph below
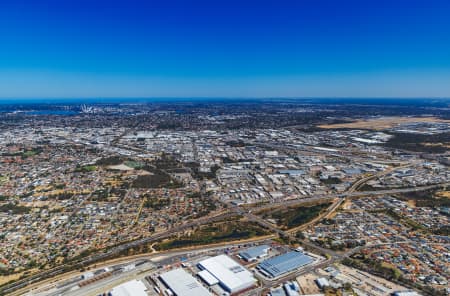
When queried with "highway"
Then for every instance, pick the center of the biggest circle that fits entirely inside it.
(152, 261)
(230, 211)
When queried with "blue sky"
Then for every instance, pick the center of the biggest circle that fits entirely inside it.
(303, 48)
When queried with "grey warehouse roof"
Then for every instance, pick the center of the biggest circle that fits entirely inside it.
(282, 264)
(183, 284)
(254, 252)
(292, 172)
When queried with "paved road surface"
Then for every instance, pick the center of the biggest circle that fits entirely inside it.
(231, 211)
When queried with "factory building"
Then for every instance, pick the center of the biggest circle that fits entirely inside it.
(254, 253)
(208, 278)
(232, 276)
(322, 282)
(279, 265)
(131, 288)
(182, 283)
(406, 293)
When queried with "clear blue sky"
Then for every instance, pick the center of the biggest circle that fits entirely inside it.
(303, 48)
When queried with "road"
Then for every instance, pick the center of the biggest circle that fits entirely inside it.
(160, 259)
(231, 211)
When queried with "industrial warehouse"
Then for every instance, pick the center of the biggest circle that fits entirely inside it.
(182, 283)
(133, 287)
(282, 264)
(231, 276)
(254, 253)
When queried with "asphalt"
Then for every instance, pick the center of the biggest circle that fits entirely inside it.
(231, 211)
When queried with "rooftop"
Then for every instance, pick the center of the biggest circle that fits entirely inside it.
(183, 284)
(131, 288)
(282, 264)
(231, 274)
(254, 252)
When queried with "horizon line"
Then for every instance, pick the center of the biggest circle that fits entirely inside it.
(223, 97)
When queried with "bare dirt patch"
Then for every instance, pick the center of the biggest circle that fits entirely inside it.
(120, 167)
(445, 145)
(307, 284)
(381, 123)
(411, 203)
(7, 278)
(443, 194)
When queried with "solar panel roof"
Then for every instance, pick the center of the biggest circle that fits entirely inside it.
(285, 263)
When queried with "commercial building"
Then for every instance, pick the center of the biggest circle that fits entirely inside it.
(208, 278)
(292, 289)
(277, 292)
(285, 263)
(232, 276)
(406, 293)
(254, 253)
(322, 282)
(292, 172)
(182, 283)
(131, 288)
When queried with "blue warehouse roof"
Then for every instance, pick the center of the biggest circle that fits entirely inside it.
(285, 263)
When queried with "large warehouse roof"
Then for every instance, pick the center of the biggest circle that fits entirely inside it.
(131, 288)
(282, 264)
(182, 283)
(231, 275)
(208, 277)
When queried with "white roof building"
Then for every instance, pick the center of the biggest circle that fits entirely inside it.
(232, 276)
(182, 283)
(322, 282)
(131, 288)
(406, 293)
(208, 277)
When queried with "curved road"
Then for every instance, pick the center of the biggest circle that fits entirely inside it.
(102, 255)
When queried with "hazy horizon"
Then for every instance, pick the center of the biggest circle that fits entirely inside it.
(132, 100)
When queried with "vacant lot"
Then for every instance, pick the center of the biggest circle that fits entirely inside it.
(443, 194)
(214, 233)
(428, 198)
(157, 179)
(307, 284)
(381, 123)
(295, 216)
(367, 282)
(420, 143)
